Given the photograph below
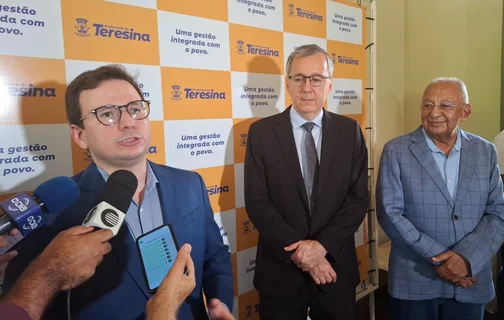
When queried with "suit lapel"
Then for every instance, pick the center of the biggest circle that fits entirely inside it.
(170, 204)
(125, 251)
(329, 136)
(421, 151)
(467, 160)
(288, 146)
(123, 245)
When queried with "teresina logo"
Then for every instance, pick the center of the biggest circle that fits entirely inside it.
(242, 47)
(192, 93)
(106, 31)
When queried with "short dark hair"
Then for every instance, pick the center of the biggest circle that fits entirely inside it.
(306, 51)
(91, 79)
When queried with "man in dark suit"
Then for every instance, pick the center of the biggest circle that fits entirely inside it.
(306, 191)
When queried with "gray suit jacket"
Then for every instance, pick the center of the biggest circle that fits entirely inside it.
(415, 209)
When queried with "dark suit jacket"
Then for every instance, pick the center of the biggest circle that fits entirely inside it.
(118, 290)
(277, 204)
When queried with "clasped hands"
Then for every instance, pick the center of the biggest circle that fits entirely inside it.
(454, 268)
(309, 255)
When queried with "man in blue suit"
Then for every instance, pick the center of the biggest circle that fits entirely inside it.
(108, 118)
(439, 199)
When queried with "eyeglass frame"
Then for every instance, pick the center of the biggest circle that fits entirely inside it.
(308, 77)
(433, 105)
(94, 111)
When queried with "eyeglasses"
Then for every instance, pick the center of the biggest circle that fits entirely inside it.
(443, 106)
(109, 115)
(299, 80)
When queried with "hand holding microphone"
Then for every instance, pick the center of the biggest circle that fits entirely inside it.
(28, 213)
(68, 261)
(72, 256)
(25, 214)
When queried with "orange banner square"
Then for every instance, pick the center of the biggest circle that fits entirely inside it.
(248, 304)
(234, 262)
(32, 90)
(246, 233)
(361, 119)
(156, 152)
(80, 159)
(109, 32)
(6, 196)
(216, 9)
(196, 94)
(220, 184)
(256, 50)
(363, 261)
(305, 17)
(349, 59)
(240, 132)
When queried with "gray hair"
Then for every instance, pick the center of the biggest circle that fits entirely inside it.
(460, 83)
(306, 51)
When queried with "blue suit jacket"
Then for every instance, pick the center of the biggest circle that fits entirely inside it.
(416, 211)
(117, 290)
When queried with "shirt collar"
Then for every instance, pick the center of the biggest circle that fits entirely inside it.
(151, 180)
(432, 146)
(297, 120)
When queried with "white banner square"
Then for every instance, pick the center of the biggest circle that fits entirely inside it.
(246, 261)
(32, 154)
(265, 14)
(345, 96)
(226, 220)
(195, 144)
(344, 23)
(152, 4)
(192, 42)
(292, 41)
(31, 28)
(257, 95)
(359, 235)
(235, 307)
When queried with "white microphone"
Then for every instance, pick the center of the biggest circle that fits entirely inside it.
(115, 200)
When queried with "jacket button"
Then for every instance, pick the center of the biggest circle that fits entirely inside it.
(455, 217)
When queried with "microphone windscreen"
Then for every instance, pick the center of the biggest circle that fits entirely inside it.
(119, 189)
(57, 194)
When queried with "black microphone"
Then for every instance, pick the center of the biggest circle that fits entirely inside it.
(115, 200)
(28, 213)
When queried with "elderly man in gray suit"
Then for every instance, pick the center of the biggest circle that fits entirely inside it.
(440, 200)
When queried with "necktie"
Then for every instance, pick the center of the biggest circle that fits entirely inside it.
(311, 161)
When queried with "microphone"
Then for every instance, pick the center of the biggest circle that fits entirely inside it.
(28, 213)
(115, 200)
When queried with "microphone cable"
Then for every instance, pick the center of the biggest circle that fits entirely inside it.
(69, 316)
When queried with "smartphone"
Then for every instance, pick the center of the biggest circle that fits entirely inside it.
(157, 250)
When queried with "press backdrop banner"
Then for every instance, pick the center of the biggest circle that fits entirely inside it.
(210, 68)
